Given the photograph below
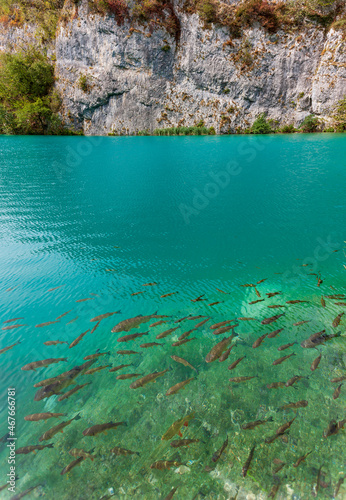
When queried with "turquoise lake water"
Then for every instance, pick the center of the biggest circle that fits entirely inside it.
(101, 217)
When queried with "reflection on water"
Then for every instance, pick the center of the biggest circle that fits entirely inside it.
(84, 241)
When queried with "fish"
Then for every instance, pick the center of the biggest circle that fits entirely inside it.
(181, 342)
(333, 428)
(141, 382)
(165, 464)
(338, 486)
(302, 322)
(279, 467)
(11, 327)
(271, 439)
(35, 417)
(257, 292)
(104, 316)
(72, 320)
(201, 323)
(218, 349)
(199, 298)
(225, 354)
(132, 336)
(167, 295)
(55, 288)
(241, 379)
(57, 428)
(136, 293)
(247, 319)
(99, 428)
(33, 448)
(255, 301)
(94, 328)
(184, 335)
(338, 379)
(273, 334)
(77, 453)
(235, 363)
(319, 482)
(77, 340)
(256, 423)
(97, 369)
(337, 392)
(183, 362)
(54, 388)
(174, 429)
(24, 493)
(42, 364)
(215, 326)
(126, 352)
(261, 281)
(221, 291)
(219, 452)
(319, 282)
(301, 459)
(157, 323)
(315, 363)
(128, 324)
(297, 301)
(275, 306)
(286, 346)
(96, 355)
(171, 493)
(177, 387)
(246, 466)
(13, 319)
(215, 303)
(267, 321)
(340, 303)
(126, 376)
(41, 325)
(272, 294)
(123, 452)
(164, 334)
(178, 443)
(323, 302)
(259, 341)
(283, 428)
(225, 329)
(336, 296)
(281, 360)
(248, 285)
(54, 342)
(84, 300)
(150, 284)
(71, 465)
(317, 339)
(8, 348)
(293, 380)
(182, 319)
(72, 391)
(63, 314)
(150, 344)
(299, 404)
(119, 367)
(275, 385)
(337, 320)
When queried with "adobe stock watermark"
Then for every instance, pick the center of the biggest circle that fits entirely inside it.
(219, 181)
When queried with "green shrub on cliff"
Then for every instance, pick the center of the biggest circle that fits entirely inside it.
(27, 103)
(309, 124)
(261, 125)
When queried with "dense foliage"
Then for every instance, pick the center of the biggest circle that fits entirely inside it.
(27, 103)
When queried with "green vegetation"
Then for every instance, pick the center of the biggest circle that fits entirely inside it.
(184, 131)
(310, 124)
(288, 129)
(260, 125)
(27, 103)
(83, 83)
(339, 116)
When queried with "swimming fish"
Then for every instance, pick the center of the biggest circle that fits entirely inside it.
(337, 320)
(225, 354)
(77, 452)
(337, 392)
(317, 339)
(72, 320)
(178, 443)
(13, 319)
(57, 428)
(176, 426)
(201, 323)
(46, 324)
(128, 324)
(293, 380)
(299, 404)
(199, 298)
(150, 284)
(136, 293)
(302, 322)
(256, 301)
(123, 452)
(315, 363)
(281, 360)
(5, 349)
(96, 355)
(235, 363)
(33, 448)
(165, 464)
(218, 349)
(296, 301)
(215, 303)
(72, 391)
(272, 294)
(225, 329)
(64, 314)
(247, 319)
(338, 486)
(167, 295)
(150, 344)
(334, 427)
(126, 376)
(283, 428)
(219, 452)
(222, 323)
(132, 336)
(97, 369)
(256, 423)
(141, 382)
(54, 342)
(164, 334)
(177, 387)
(157, 323)
(275, 385)
(97, 429)
(24, 493)
(124, 352)
(70, 466)
(241, 379)
(323, 302)
(246, 466)
(35, 417)
(119, 367)
(42, 364)
(267, 321)
(181, 342)
(338, 379)
(183, 362)
(259, 341)
(184, 335)
(273, 334)
(301, 459)
(84, 300)
(77, 340)
(96, 326)
(275, 306)
(104, 316)
(286, 346)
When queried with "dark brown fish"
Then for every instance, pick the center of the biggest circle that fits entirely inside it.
(183, 362)
(272, 294)
(24, 493)
(84, 300)
(123, 452)
(256, 423)
(55, 288)
(281, 360)
(247, 319)
(136, 293)
(302, 322)
(255, 301)
(94, 328)
(225, 355)
(46, 324)
(248, 461)
(96, 355)
(337, 392)
(301, 459)
(340, 303)
(296, 301)
(259, 341)
(338, 486)
(299, 404)
(128, 324)
(181, 319)
(334, 427)
(177, 387)
(215, 303)
(33, 448)
(122, 353)
(221, 291)
(64, 314)
(261, 281)
(337, 320)
(97, 369)
(13, 319)
(192, 318)
(149, 344)
(35, 417)
(257, 292)
(201, 323)
(275, 488)
(178, 443)
(167, 295)
(97, 429)
(219, 452)
(150, 284)
(54, 342)
(164, 334)
(77, 340)
(141, 382)
(283, 428)
(273, 334)
(42, 364)
(275, 385)
(186, 334)
(171, 493)
(275, 306)
(225, 329)
(293, 380)
(286, 346)
(279, 467)
(215, 326)
(104, 316)
(72, 320)
(132, 336)
(235, 363)
(199, 298)
(338, 379)
(318, 339)
(70, 466)
(272, 438)
(165, 464)
(157, 323)
(323, 302)
(218, 349)
(181, 342)
(126, 376)
(72, 391)
(336, 296)
(315, 363)
(57, 428)
(267, 321)
(8, 348)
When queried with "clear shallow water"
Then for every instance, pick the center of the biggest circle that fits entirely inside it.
(104, 216)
